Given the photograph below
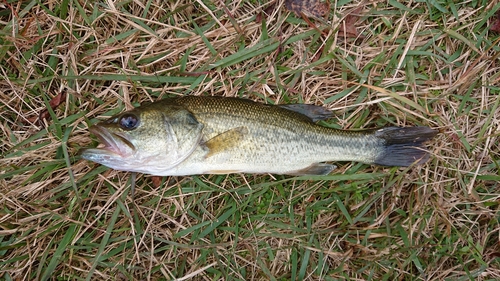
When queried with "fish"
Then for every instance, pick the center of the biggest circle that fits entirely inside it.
(194, 135)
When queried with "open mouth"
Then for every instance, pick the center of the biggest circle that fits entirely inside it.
(112, 142)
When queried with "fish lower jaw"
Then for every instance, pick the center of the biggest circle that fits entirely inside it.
(99, 154)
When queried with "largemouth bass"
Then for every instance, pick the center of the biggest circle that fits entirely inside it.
(218, 135)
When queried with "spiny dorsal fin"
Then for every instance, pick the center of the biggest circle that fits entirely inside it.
(225, 140)
(314, 112)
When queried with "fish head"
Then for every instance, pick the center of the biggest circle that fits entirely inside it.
(148, 139)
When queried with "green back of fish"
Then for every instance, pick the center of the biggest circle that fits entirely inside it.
(277, 135)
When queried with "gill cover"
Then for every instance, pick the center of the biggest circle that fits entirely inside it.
(183, 134)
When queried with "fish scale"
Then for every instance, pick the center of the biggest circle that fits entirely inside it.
(280, 130)
(217, 135)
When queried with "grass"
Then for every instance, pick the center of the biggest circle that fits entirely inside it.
(432, 63)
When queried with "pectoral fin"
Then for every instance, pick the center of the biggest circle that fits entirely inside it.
(314, 112)
(225, 141)
(315, 169)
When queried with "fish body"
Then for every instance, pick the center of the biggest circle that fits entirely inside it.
(219, 135)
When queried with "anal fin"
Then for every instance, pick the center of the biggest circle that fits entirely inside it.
(225, 140)
(321, 169)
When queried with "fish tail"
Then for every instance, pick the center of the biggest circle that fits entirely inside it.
(403, 146)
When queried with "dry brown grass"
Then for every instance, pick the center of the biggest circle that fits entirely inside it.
(65, 218)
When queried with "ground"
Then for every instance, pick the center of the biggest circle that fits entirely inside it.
(66, 64)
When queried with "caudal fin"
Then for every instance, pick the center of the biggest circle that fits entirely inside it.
(404, 146)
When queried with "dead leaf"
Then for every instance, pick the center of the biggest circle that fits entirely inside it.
(309, 8)
(156, 181)
(495, 26)
(53, 103)
(232, 19)
(348, 27)
(310, 199)
(258, 17)
(12, 9)
(318, 55)
(455, 140)
(267, 11)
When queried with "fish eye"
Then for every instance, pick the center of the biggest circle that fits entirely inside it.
(128, 121)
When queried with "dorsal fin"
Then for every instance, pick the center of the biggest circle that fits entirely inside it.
(314, 112)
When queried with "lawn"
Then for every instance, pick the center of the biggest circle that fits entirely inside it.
(66, 64)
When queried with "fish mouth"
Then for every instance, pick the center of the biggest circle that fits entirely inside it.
(110, 143)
